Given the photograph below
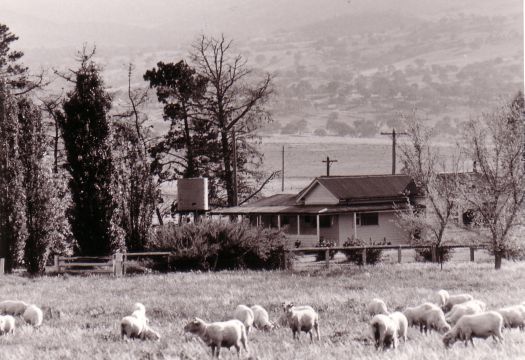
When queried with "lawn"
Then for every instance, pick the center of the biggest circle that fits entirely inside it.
(83, 313)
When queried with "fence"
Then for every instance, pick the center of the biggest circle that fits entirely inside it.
(399, 248)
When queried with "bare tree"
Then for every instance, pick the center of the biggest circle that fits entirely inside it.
(437, 178)
(496, 193)
(233, 102)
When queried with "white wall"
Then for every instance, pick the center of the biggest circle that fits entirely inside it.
(318, 195)
(387, 228)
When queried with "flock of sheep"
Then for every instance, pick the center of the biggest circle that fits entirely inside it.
(30, 314)
(459, 317)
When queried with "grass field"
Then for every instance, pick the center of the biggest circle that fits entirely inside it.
(82, 321)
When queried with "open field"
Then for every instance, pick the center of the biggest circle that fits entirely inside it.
(86, 311)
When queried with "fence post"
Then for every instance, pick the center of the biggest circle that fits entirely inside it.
(363, 254)
(327, 258)
(117, 264)
(399, 255)
(472, 253)
(57, 263)
(2, 266)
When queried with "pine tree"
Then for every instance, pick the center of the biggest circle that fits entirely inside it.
(87, 138)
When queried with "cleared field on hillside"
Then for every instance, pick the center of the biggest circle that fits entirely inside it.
(91, 307)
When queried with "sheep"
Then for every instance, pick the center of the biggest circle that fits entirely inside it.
(377, 306)
(384, 331)
(401, 323)
(245, 315)
(220, 334)
(302, 318)
(7, 324)
(467, 308)
(434, 319)
(447, 301)
(139, 311)
(13, 307)
(478, 325)
(513, 316)
(261, 319)
(33, 315)
(136, 328)
(417, 315)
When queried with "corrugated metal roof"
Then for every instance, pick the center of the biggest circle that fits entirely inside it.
(275, 200)
(305, 209)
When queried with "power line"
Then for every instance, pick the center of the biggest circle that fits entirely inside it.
(393, 134)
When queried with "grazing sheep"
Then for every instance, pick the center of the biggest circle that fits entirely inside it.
(220, 334)
(13, 307)
(261, 320)
(451, 300)
(245, 315)
(478, 325)
(401, 323)
(33, 315)
(467, 308)
(442, 297)
(434, 319)
(416, 316)
(377, 306)
(136, 328)
(384, 331)
(513, 316)
(139, 311)
(7, 324)
(302, 318)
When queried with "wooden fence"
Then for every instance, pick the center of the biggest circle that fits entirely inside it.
(399, 248)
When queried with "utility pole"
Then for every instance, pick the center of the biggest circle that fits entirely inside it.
(393, 134)
(282, 171)
(235, 184)
(328, 163)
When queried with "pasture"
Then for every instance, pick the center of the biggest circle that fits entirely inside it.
(82, 320)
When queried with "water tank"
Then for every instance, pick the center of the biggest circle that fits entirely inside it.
(192, 194)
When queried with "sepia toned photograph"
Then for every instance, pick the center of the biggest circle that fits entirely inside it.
(262, 180)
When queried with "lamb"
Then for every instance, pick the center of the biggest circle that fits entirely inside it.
(478, 325)
(245, 315)
(220, 334)
(447, 301)
(261, 319)
(384, 331)
(401, 323)
(513, 316)
(33, 315)
(418, 316)
(377, 306)
(467, 308)
(139, 311)
(136, 328)
(7, 324)
(13, 307)
(302, 318)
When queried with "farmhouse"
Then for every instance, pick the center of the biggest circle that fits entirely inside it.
(336, 209)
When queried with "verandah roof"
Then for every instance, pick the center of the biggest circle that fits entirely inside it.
(302, 209)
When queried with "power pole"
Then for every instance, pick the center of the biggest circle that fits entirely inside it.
(393, 134)
(328, 163)
(235, 188)
(282, 172)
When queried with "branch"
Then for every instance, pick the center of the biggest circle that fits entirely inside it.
(272, 175)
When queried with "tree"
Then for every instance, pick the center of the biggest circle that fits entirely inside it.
(87, 133)
(496, 193)
(13, 73)
(137, 187)
(230, 104)
(437, 180)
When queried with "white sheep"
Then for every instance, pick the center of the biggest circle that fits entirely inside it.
(417, 315)
(33, 315)
(13, 307)
(401, 323)
(220, 334)
(513, 316)
(479, 325)
(245, 315)
(467, 308)
(384, 331)
(261, 320)
(302, 318)
(377, 306)
(449, 301)
(136, 328)
(7, 324)
(434, 319)
(139, 311)
(442, 297)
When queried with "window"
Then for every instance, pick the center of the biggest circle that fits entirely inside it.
(285, 220)
(367, 219)
(325, 221)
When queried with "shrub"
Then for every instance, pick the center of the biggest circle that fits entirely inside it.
(220, 245)
(443, 254)
(373, 256)
(321, 256)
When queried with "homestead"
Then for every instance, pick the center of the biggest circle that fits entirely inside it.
(336, 209)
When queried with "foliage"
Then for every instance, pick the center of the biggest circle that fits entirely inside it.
(86, 131)
(219, 245)
(443, 254)
(321, 256)
(373, 256)
(12, 73)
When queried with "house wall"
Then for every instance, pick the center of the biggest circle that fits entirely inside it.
(331, 233)
(387, 229)
(320, 196)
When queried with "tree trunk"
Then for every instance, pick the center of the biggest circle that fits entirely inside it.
(497, 260)
(228, 175)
